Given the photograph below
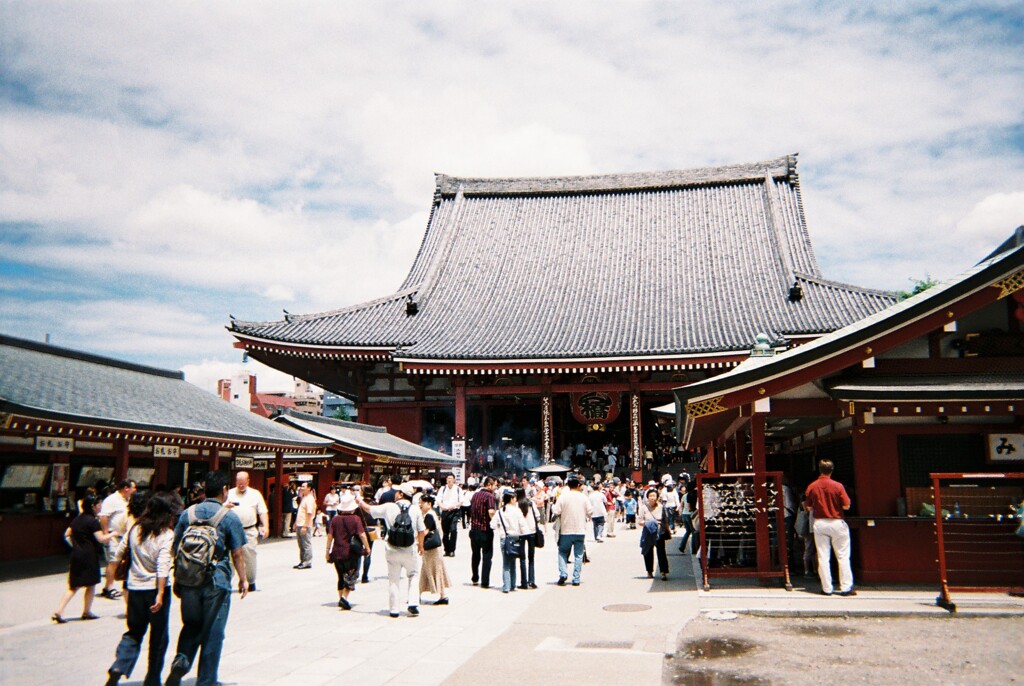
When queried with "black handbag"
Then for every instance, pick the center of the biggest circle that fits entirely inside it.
(511, 546)
(433, 539)
(538, 538)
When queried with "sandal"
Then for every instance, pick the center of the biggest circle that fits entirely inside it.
(57, 618)
(111, 593)
(89, 615)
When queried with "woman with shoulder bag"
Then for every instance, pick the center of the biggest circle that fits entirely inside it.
(148, 547)
(509, 523)
(346, 546)
(434, 573)
(86, 539)
(652, 516)
(531, 522)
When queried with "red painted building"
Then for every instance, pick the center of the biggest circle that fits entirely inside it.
(932, 384)
(550, 312)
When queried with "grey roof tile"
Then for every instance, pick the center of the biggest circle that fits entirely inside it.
(46, 381)
(664, 263)
(364, 437)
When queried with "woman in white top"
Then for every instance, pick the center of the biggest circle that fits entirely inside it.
(531, 520)
(148, 543)
(652, 511)
(508, 522)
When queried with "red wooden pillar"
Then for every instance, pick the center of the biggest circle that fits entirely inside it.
(485, 427)
(214, 459)
(275, 525)
(760, 462)
(460, 407)
(711, 457)
(160, 476)
(121, 460)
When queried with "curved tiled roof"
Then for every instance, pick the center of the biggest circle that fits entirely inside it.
(45, 381)
(628, 265)
(366, 438)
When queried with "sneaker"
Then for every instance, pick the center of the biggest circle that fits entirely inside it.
(575, 583)
(365, 580)
(442, 601)
(847, 594)
(252, 588)
(178, 670)
(394, 615)
(561, 581)
(414, 611)
(533, 586)
(344, 604)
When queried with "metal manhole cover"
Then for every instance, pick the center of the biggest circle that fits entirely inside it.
(627, 607)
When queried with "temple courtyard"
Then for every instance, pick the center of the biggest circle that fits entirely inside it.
(617, 626)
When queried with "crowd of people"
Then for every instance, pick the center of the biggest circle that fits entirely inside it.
(155, 543)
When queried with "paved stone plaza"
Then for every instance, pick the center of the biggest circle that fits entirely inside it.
(291, 631)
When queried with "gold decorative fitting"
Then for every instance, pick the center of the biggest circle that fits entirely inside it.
(703, 408)
(949, 314)
(761, 391)
(1010, 284)
(868, 350)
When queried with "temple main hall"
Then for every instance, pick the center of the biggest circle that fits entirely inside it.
(544, 313)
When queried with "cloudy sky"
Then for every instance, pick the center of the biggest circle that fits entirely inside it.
(164, 165)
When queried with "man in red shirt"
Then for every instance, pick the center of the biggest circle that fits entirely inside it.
(827, 500)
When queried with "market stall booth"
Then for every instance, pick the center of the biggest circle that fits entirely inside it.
(71, 421)
(364, 454)
(933, 384)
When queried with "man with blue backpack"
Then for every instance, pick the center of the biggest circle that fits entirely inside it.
(203, 537)
(403, 544)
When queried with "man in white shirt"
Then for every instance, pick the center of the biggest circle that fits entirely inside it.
(399, 558)
(573, 510)
(597, 504)
(250, 507)
(449, 500)
(113, 519)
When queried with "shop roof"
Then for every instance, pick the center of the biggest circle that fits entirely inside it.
(616, 266)
(1001, 386)
(1003, 265)
(366, 438)
(49, 382)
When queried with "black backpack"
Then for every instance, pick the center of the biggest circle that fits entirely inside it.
(400, 534)
(195, 558)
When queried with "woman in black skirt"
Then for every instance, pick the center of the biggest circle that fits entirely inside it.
(86, 538)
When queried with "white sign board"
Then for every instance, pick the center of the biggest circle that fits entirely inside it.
(1006, 447)
(166, 451)
(460, 474)
(243, 463)
(459, 450)
(55, 444)
(259, 465)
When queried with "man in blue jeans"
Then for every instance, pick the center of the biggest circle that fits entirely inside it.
(204, 609)
(573, 510)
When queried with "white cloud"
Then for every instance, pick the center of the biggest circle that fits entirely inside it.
(207, 373)
(295, 160)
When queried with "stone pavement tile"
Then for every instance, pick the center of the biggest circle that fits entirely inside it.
(368, 675)
(335, 665)
(425, 673)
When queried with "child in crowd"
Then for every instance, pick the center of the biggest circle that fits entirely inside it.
(629, 506)
(319, 523)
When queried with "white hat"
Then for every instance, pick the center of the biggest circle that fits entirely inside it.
(347, 503)
(406, 489)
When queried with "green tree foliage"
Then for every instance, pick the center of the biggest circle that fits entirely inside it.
(920, 285)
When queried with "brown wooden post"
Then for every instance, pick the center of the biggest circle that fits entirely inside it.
(711, 457)
(460, 407)
(275, 525)
(214, 459)
(160, 476)
(121, 460)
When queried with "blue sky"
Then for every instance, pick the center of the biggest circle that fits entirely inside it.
(164, 165)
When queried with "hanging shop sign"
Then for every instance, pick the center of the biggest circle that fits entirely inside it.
(166, 451)
(55, 444)
(1005, 447)
(244, 463)
(595, 407)
(260, 465)
(459, 449)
